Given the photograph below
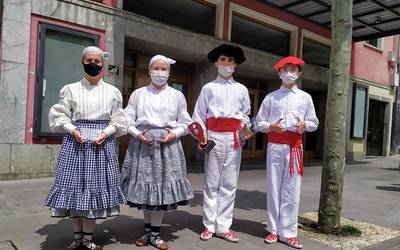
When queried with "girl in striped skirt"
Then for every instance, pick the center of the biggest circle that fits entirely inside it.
(87, 182)
(154, 176)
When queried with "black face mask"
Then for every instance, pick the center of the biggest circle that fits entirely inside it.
(92, 69)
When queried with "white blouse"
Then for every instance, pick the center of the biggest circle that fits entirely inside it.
(83, 101)
(166, 107)
(223, 99)
(288, 105)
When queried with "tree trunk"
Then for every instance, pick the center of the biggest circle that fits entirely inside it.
(330, 204)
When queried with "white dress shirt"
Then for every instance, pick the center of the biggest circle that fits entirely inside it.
(166, 107)
(288, 105)
(223, 99)
(83, 101)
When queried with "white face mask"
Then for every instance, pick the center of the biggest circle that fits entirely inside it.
(288, 77)
(159, 77)
(225, 71)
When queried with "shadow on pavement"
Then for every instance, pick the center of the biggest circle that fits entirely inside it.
(125, 229)
(388, 188)
(121, 229)
(392, 169)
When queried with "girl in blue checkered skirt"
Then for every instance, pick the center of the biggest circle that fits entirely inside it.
(87, 182)
(154, 176)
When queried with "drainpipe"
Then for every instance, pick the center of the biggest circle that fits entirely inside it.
(396, 108)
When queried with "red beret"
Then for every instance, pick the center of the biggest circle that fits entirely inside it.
(287, 60)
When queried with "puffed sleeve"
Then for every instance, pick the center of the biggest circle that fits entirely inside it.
(183, 118)
(118, 120)
(60, 114)
(131, 114)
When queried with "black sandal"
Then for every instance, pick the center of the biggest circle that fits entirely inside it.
(144, 240)
(88, 244)
(77, 243)
(162, 246)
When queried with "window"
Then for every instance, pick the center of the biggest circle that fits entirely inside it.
(58, 63)
(373, 42)
(359, 109)
(193, 15)
(256, 35)
(377, 42)
(254, 147)
(316, 53)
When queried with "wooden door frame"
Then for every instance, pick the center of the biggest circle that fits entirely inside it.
(187, 81)
(254, 153)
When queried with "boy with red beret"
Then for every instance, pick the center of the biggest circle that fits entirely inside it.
(285, 115)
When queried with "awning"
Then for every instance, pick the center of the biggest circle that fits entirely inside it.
(371, 18)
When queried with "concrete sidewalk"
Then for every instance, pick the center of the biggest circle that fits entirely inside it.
(371, 193)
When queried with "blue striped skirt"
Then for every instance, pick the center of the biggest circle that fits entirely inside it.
(87, 180)
(154, 176)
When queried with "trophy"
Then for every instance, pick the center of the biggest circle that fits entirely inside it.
(196, 130)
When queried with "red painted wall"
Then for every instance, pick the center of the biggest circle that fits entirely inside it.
(112, 3)
(371, 64)
(30, 99)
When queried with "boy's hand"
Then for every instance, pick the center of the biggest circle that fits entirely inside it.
(301, 126)
(199, 145)
(276, 127)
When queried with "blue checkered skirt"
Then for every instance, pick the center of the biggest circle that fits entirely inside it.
(154, 176)
(87, 181)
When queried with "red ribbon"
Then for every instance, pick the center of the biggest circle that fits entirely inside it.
(294, 140)
(225, 125)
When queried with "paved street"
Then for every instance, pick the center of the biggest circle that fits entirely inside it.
(371, 193)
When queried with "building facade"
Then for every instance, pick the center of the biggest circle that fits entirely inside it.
(373, 86)
(41, 42)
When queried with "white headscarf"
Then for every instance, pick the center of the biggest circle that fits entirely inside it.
(95, 49)
(165, 59)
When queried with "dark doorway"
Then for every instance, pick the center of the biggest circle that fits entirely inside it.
(376, 128)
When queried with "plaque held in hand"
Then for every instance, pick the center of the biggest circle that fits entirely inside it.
(196, 130)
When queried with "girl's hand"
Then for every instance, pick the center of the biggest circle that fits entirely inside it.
(101, 139)
(171, 136)
(77, 135)
(143, 138)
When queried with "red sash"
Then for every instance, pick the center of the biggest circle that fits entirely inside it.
(294, 140)
(225, 125)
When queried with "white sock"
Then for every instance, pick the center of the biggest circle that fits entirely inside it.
(156, 218)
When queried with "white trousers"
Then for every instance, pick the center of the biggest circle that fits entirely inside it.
(283, 192)
(221, 172)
